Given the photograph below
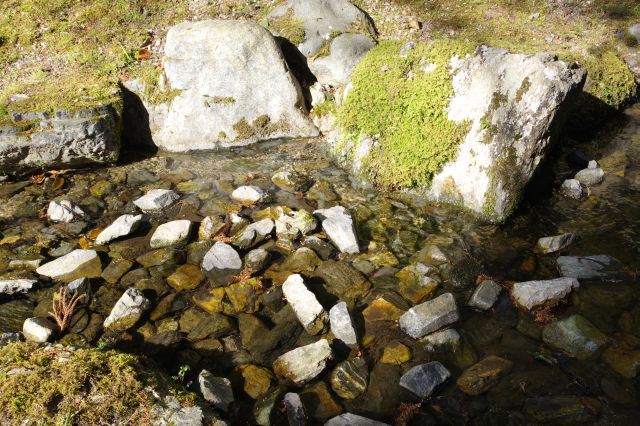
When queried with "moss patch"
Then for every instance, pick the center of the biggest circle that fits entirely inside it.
(260, 127)
(154, 93)
(288, 27)
(404, 108)
(90, 387)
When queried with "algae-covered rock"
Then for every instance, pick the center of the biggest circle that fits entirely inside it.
(574, 335)
(468, 128)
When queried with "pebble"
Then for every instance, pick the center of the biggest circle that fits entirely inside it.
(216, 390)
(38, 329)
(10, 287)
(156, 200)
(348, 419)
(382, 309)
(221, 262)
(303, 364)
(121, 227)
(79, 286)
(249, 195)
(257, 380)
(485, 295)
(77, 264)
(423, 379)
(571, 188)
(530, 294)
(296, 415)
(254, 234)
(186, 277)
(338, 225)
(430, 316)
(349, 378)
(442, 341)
(127, 310)
(341, 324)
(555, 243)
(588, 267)
(309, 311)
(396, 353)
(295, 224)
(575, 335)
(257, 259)
(63, 211)
(590, 177)
(480, 377)
(171, 233)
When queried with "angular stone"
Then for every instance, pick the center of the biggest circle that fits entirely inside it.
(303, 364)
(442, 341)
(186, 277)
(338, 225)
(574, 335)
(171, 234)
(257, 259)
(79, 286)
(127, 311)
(77, 264)
(309, 311)
(430, 316)
(423, 379)
(624, 355)
(341, 325)
(249, 195)
(209, 226)
(156, 200)
(302, 260)
(221, 263)
(295, 224)
(589, 267)
(571, 188)
(555, 243)
(324, 249)
(320, 404)
(296, 415)
(342, 280)
(63, 211)
(290, 181)
(414, 284)
(121, 227)
(38, 329)
(382, 310)
(199, 325)
(530, 294)
(254, 234)
(396, 353)
(349, 379)
(244, 295)
(216, 390)
(348, 419)
(17, 286)
(159, 257)
(115, 270)
(485, 295)
(257, 380)
(590, 177)
(562, 409)
(480, 377)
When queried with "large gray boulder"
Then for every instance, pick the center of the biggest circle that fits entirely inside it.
(34, 140)
(233, 88)
(332, 34)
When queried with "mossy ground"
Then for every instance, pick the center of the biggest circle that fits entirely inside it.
(401, 99)
(89, 387)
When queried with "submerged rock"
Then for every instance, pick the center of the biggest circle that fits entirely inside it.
(156, 200)
(442, 341)
(571, 188)
(348, 419)
(574, 335)
(63, 211)
(341, 325)
(349, 379)
(38, 330)
(17, 286)
(430, 316)
(254, 234)
(296, 415)
(338, 225)
(536, 293)
(77, 264)
(485, 295)
(590, 177)
(555, 243)
(127, 311)
(480, 377)
(292, 225)
(423, 379)
(216, 390)
(230, 86)
(589, 267)
(303, 364)
(121, 227)
(562, 409)
(310, 313)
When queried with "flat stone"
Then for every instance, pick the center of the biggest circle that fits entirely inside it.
(322, 248)
(24, 264)
(63, 211)
(442, 341)
(396, 353)
(221, 263)
(254, 234)
(338, 225)
(555, 243)
(79, 286)
(589, 267)
(562, 409)
(290, 181)
(348, 419)
(249, 194)
(571, 188)
(38, 329)
(530, 294)
(127, 311)
(303, 364)
(575, 335)
(216, 390)
(171, 233)
(430, 316)
(290, 226)
(382, 310)
(121, 227)
(244, 295)
(302, 260)
(17, 286)
(590, 177)
(623, 356)
(423, 379)
(116, 269)
(349, 378)
(342, 280)
(480, 377)
(341, 324)
(156, 200)
(257, 380)
(309, 311)
(186, 277)
(77, 264)
(485, 295)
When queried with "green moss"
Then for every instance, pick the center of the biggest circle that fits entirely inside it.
(325, 49)
(503, 178)
(404, 108)
(324, 108)
(224, 100)
(153, 93)
(523, 89)
(260, 127)
(89, 387)
(288, 27)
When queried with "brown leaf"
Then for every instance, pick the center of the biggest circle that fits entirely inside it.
(143, 55)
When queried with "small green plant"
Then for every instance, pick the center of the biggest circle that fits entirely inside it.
(182, 373)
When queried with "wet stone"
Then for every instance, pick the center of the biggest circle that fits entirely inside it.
(77, 264)
(249, 195)
(121, 227)
(302, 260)
(243, 295)
(338, 225)
(133, 277)
(221, 263)
(562, 409)
(485, 295)
(137, 177)
(216, 390)
(442, 341)
(296, 415)
(156, 200)
(414, 285)
(209, 227)
(290, 226)
(574, 335)
(186, 277)
(115, 270)
(303, 364)
(213, 301)
(590, 176)
(127, 311)
(480, 377)
(197, 250)
(322, 191)
(254, 234)
(382, 310)
(571, 188)
(13, 314)
(341, 325)
(349, 419)
(423, 379)
(257, 259)
(589, 267)
(320, 405)
(349, 378)
(536, 293)
(623, 356)
(310, 313)
(290, 181)
(38, 329)
(555, 243)
(342, 280)
(429, 316)
(257, 380)
(396, 353)
(321, 247)
(201, 325)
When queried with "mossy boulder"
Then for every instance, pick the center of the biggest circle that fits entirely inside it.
(464, 126)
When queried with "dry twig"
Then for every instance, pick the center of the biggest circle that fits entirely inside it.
(64, 307)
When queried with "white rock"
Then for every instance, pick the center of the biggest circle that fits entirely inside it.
(249, 194)
(127, 311)
(77, 264)
(590, 177)
(423, 379)
(38, 329)
(348, 419)
(254, 234)
(121, 227)
(303, 364)
(79, 286)
(221, 262)
(341, 324)
(295, 224)
(430, 316)
(156, 200)
(440, 341)
(294, 408)
(171, 233)
(216, 390)
(63, 211)
(25, 264)
(10, 287)
(593, 164)
(554, 243)
(485, 295)
(338, 225)
(530, 294)
(571, 188)
(309, 311)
